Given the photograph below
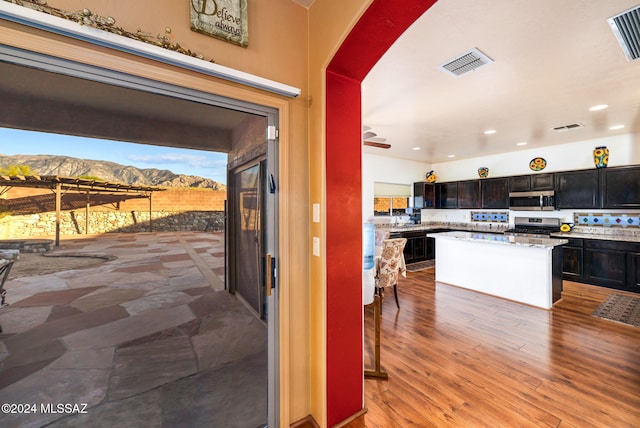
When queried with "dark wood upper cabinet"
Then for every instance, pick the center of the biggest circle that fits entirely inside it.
(527, 183)
(424, 195)
(542, 182)
(495, 193)
(616, 187)
(447, 195)
(577, 189)
(469, 194)
(620, 187)
(520, 183)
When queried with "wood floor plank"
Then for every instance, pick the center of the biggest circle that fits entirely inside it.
(460, 358)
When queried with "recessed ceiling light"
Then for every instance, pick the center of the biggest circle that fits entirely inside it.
(451, 156)
(615, 127)
(416, 148)
(490, 131)
(522, 143)
(598, 107)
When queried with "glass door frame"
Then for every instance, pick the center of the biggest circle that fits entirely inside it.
(89, 72)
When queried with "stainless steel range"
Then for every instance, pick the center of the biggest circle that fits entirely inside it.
(535, 227)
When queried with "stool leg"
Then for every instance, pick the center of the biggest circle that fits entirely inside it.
(395, 293)
(378, 372)
(381, 295)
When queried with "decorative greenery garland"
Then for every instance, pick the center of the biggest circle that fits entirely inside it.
(86, 17)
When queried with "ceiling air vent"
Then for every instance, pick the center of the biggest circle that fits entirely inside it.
(626, 28)
(565, 128)
(468, 61)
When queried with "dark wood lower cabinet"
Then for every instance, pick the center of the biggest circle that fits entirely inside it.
(633, 275)
(572, 256)
(605, 267)
(416, 248)
(431, 250)
(612, 264)
(419, 248)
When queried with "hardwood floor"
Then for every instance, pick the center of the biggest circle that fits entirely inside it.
(459, 358)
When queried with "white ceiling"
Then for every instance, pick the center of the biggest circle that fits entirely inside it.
(552, 61)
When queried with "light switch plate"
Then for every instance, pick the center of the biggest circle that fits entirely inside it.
(316, 246)
(316, 213)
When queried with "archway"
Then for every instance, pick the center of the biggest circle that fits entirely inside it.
(378, 28)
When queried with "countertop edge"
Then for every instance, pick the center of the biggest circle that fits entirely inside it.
(500, 230)
(495, 238)
(597, 236)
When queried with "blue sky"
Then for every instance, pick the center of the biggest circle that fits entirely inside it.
(181, 161)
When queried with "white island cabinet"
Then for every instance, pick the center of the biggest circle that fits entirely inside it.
(526, 270)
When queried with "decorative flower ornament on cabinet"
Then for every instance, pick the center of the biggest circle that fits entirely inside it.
(537, 164)
(601, 157)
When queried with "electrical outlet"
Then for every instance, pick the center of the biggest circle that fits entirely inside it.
(316, 213)
(316, 246)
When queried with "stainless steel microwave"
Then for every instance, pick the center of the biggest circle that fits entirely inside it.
(532, 201)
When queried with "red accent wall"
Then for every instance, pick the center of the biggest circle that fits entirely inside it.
(381, 24)
(344, 249)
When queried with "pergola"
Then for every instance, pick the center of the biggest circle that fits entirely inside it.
(61, 185)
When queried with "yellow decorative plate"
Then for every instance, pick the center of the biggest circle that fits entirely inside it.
(537, 164)
(565, 228)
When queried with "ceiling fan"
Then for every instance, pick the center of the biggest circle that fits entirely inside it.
(371, 139)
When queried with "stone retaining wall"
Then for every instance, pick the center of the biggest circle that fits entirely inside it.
(74, 222)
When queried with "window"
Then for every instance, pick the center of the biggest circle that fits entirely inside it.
(390, 199)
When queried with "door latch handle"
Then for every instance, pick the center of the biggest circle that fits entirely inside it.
(272, 184)
(270, 274)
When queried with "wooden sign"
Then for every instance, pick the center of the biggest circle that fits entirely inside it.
(223, 19)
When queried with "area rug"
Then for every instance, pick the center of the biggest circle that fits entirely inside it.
(619, 308)
(418, 266)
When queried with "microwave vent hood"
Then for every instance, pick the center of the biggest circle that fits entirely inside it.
(532, 201)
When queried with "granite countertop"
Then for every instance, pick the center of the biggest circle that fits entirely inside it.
(497, 238)
(610, 234)
(601, 236)
(409, 228)
(480, 227)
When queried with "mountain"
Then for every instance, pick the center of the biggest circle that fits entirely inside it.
(66, 166)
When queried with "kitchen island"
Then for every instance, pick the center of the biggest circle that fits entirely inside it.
(526, 270)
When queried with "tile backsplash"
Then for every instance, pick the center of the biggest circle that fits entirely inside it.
(607, 220)
(487, 216)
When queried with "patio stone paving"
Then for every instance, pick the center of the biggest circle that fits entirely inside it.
(149, 338)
